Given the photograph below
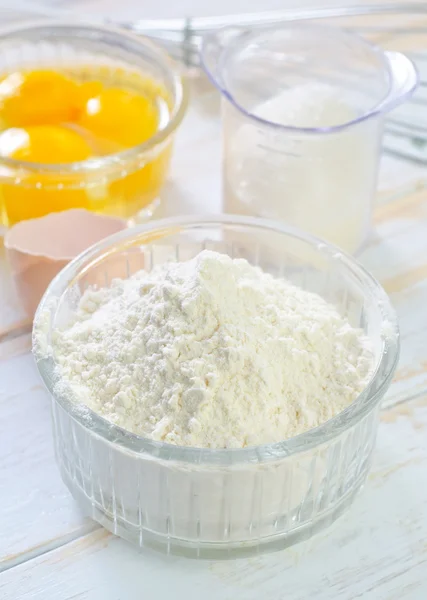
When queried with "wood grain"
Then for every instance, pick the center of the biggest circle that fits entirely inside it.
(376, 551)
(37, 511)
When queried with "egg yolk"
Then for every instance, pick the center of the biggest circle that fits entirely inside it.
(120, 116)
(44, 144)
(41, 193)
(49, 118)
(38, 98)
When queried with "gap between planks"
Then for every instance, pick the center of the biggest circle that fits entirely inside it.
(50, 546)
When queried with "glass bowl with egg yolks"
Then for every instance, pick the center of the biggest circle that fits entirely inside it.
(87, 120)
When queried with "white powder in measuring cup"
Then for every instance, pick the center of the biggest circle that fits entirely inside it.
(308, 105)
(320, 182)
(211, 352)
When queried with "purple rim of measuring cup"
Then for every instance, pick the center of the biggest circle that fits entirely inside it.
(382, 107)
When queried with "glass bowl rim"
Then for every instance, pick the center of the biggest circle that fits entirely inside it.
(96, 164)
(366, 401)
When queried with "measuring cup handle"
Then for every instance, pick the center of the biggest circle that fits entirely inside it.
(213, 46)
(404, 78)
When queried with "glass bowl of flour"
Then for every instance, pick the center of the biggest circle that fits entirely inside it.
(215, 382)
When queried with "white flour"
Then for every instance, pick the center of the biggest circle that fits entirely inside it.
(307, 105)
(212, 352)
(322, 183)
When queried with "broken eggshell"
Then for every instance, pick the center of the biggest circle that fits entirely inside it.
(38, 249)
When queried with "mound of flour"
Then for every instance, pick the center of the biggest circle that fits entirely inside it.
(212, 352)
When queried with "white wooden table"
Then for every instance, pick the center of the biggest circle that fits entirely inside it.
(376, 551)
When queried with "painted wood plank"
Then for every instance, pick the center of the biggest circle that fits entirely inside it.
(376, 551)
(36, 508)
(50, 517)
(37, 511)
(24, 404)
(391, 564)
(397, 256)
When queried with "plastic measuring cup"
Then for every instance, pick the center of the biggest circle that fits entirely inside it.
(303, 109)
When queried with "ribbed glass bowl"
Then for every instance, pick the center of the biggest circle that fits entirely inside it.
(205, 502)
